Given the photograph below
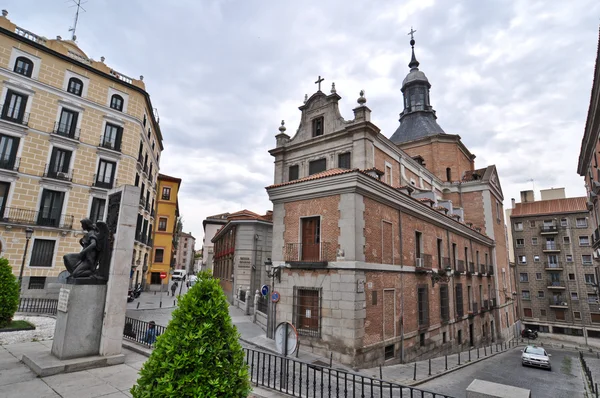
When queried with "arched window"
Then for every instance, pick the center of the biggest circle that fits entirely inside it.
(116, 102)
(24, 66)
(75, 86)
(448, 174)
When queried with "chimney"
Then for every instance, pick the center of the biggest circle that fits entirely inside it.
(512, 203)
(527, 196)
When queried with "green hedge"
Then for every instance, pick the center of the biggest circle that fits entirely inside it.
(9, 293)
(199, 355)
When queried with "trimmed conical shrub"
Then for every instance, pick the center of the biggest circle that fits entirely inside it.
(9, 293)
(199, 355)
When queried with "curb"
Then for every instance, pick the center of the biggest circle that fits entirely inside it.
(259, 346)
(136, 348)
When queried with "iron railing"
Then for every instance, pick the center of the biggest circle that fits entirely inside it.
(460, 265)
(113, 145)
(38, 305)
(301, 379)
(474, 308)
(105, 185)
(140, 331)
(550, 246)
(552, 265)
(10, 164)
(262, 305)
(308, 252)
(31, 217)
(555, 283)
(66, 130)
(63, 175)
(548, 228)
(491, 270)
(7, 110)
(558, 301)
(142, 202)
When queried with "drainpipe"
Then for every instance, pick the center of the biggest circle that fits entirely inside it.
(401, 289)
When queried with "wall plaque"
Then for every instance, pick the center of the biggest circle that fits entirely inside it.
(244, 262)
(63, 299)
(360, 286)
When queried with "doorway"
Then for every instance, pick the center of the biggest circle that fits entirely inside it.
(471, 335)
(311, 239)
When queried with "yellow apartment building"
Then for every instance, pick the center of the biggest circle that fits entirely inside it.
(71, 128)
(165, 229)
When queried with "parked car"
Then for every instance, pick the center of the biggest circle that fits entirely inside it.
(192, 279)
(529, 334)
(535, 356)
(179, 275)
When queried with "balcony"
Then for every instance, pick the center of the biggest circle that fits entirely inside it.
(108, 144)
(66, 175)
(308, 254)
(556, 284)
(558, 302)
(142, 203)
(152, 213)
(485, 306)
(97, 183)
(471, 267)
(548, 229)
(596, 238)
(551, 247)
(10, 164)
(474, 309)
(13, 215)
(492, 303)
(482, 269)
(65, 130)
(460, 266)
(553, 266)
(446, 262)
(490, 270)
(8, 114)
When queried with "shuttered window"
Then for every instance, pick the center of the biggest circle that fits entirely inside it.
(42, 253)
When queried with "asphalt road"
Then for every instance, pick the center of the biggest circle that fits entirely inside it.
(564, 380)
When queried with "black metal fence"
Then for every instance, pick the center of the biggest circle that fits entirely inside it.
(141, 332)
(262, 305)
(588, 374)
(38, 305)
(301, 379)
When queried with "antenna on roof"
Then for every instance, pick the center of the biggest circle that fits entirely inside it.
(77, 3)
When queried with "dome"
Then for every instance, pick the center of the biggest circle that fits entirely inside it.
(413, 76)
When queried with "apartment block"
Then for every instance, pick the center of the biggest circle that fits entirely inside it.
(555, 272)
(71, 129)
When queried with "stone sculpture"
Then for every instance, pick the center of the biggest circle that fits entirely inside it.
(90, 266)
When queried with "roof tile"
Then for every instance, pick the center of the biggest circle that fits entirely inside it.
(554, 206)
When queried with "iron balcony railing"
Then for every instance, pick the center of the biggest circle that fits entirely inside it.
(558, 301)
(66, 130)
(596, 238)
(308, 252)
(108, 144)
(152, 213)
(482, 268)
(554, 283)
(553, 265)
(8, 115)
(10, 164)
(550, 246)
(63, 175)
(490, 270)
(471, 267)
(460, 266)
(31, 217)
(474, 307)
(142, 202)
(486, 305)
(102, 184)
(548, 228)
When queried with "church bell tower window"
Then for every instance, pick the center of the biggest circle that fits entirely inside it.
(317, 126)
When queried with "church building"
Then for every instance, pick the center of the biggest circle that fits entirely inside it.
(388, 249)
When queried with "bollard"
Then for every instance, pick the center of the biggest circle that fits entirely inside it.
(459, 357)
(155, 292)
(596, 390)
(138, 306)
(297, 348)
(174, 301)
(160, 306)
(429, 367)
(380, 373)
(469, 354)
(446, 361)
(484, 351)
(415, 372)
(330, 359)
(477, 352)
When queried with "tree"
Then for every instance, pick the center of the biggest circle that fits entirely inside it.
(199, 355)
(9, 293)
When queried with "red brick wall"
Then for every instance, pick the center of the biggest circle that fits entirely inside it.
(472, 203)
(440, 155)
(380, 159)
(376, 250)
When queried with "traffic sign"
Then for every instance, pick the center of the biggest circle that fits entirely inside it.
(264, 290)
(163, 275)
(286, 338)
(275, 297)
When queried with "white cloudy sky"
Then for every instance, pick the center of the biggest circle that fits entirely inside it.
(513, 78)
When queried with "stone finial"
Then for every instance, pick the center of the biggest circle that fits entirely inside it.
(361, 100)
(305, 98)
(4, 13)
(102, 59)
(333, 91)
(282, 127)
(142, 77)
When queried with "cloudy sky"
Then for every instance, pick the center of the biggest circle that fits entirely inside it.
(512, 78)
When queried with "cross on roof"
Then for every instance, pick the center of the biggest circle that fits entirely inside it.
(411, 33)
(319, 80)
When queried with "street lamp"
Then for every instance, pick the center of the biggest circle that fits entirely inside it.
(272, 272)
(28, 233)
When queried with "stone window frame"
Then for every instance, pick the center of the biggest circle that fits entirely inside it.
(579, 224)
(160, 219)
(534, 241)
(314, 122)
(37, 62)
(296, 167)
(72, 75)
(523, 277)
(518, 226)
(313, 332)
(30, 254)
(525, 295)
(162, 259)
(586, 262)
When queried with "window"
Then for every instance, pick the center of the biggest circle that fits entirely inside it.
(518, 226)
(97, 212)
(60, 160)
(538, 276)
(586, 259)
(527, 313)
(67, 124)
(162, 224)
(166, 193)
(50, 209)
(317, 166)
(423, 305)
(23, 66)
(389, 352)
(294, 172)
(595, 318)
(569, 258)
(137, 180)
(541, 294)
(592, 298)
(590, 278)
(14, 107)
(459, 300)
(523, 277)
(532, 224)
(112, 137)
(543, 312)
(448, 174)
(37, 282)
(525, 295)
(571, 277)
(564, 222)
(116, 102)
(106, 174)
(388, 174)
(498, 212)
(444, 304)
(577, 315)
(536, 259)
(459, 337)
(534, 241)
(522, 260)
(374, 297)
(307, 311)
(4, 190)
(584, 241)
(566, 240)
(8, 152)
(444, 338)
(520, 242)
(317, 126)
(344, 160)
(75, 86)
(440, 245)
(574, 296)
(155, 278)
(581, 223)
(158, 255)
(42, 253)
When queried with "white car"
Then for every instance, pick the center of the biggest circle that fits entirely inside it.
(178, 275)
(192, 279)
(535, 356)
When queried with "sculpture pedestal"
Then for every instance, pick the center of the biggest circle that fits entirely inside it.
(79, 328)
